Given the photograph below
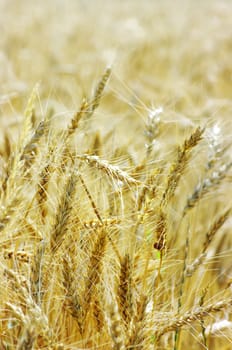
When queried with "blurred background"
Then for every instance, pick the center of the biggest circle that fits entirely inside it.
(171, 53)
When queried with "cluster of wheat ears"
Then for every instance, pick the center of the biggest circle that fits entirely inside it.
(115, 208)
(100, 254)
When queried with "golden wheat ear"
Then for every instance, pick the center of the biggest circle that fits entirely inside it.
(33, 320)
(112, 171)
(99, 90)
(97, 307)
(206, 186)
(214, 228)
(63, 213)
(124, 291)
(116, 329)
(36, 276)
(137, 334)
(26, 129)
(177, 168)
(42, 190)
(73, 294)
(84, 109)
(194, 316)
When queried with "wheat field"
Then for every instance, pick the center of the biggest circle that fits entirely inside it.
(115, 144)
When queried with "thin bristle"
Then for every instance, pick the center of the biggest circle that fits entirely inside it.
(96, 211)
